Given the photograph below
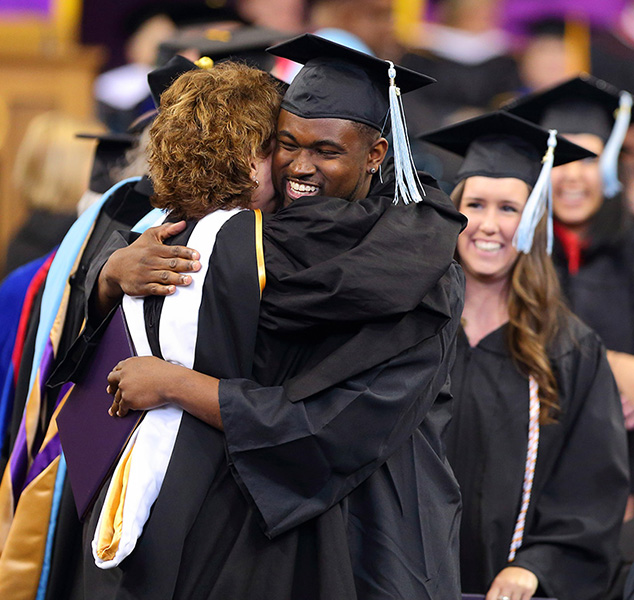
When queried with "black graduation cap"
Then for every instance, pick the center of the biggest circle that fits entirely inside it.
(583, 104)
(500, 144)
(109, 152)
(161, 78)
(503, 145)
(247, 43)
(337, 82)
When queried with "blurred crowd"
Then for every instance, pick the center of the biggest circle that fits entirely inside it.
(482, 54)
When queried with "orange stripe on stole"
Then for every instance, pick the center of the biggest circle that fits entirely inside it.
(112, 524)
(6, 507)
(259, 250)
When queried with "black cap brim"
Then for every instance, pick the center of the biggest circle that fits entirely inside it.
(220, 44)
(515, 146)
(113, 137)
(583, 104)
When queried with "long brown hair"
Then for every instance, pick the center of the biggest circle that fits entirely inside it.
(537, 313)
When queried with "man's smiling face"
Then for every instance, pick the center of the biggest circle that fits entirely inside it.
(321, 157)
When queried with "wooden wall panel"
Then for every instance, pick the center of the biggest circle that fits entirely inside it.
(30, 85)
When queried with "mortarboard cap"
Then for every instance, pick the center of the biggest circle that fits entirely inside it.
(338, 82)
(502, 145)
(584, 105)
(161, 78)
(111, 149)
(246, 43)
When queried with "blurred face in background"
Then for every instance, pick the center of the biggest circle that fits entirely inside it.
(281, 15)
(577, 186)
(494, 208)
(543, 62)
(470, 15)
(373, 22)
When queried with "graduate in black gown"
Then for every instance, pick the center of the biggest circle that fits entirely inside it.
(537, 440)
(320, 474)
(594, 231)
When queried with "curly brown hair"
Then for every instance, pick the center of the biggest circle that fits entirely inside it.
(211, 125)
(537, 313)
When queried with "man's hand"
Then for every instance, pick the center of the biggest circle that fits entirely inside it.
(513, 583)
(147, 267)
(146, 382)
(138, 384)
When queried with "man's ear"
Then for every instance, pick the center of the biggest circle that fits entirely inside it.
(377, 154)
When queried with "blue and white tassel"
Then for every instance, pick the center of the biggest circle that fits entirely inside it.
(540, 199)
(408, 186)
(608, 163)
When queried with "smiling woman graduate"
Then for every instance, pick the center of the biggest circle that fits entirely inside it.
(537, 440)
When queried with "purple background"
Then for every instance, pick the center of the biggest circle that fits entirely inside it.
(516, 13)
(39, 6)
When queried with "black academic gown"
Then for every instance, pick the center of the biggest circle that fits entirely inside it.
(605, 277)
(331, 481)
(601, 293)
(581, 479)
(121, 211)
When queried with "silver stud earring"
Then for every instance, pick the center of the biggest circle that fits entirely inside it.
(257, 183)
(373, 170)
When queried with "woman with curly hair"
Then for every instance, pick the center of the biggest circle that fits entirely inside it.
(537, 440)
(211, 144)
(209, 156)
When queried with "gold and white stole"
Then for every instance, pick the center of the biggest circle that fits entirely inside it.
(139, 475)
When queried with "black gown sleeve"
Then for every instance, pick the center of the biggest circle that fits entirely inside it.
(329, 261)
(572, 544)
(296, 459)
(117, 240)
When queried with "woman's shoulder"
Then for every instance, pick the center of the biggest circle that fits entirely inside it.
(233, 227)
(573, 337)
